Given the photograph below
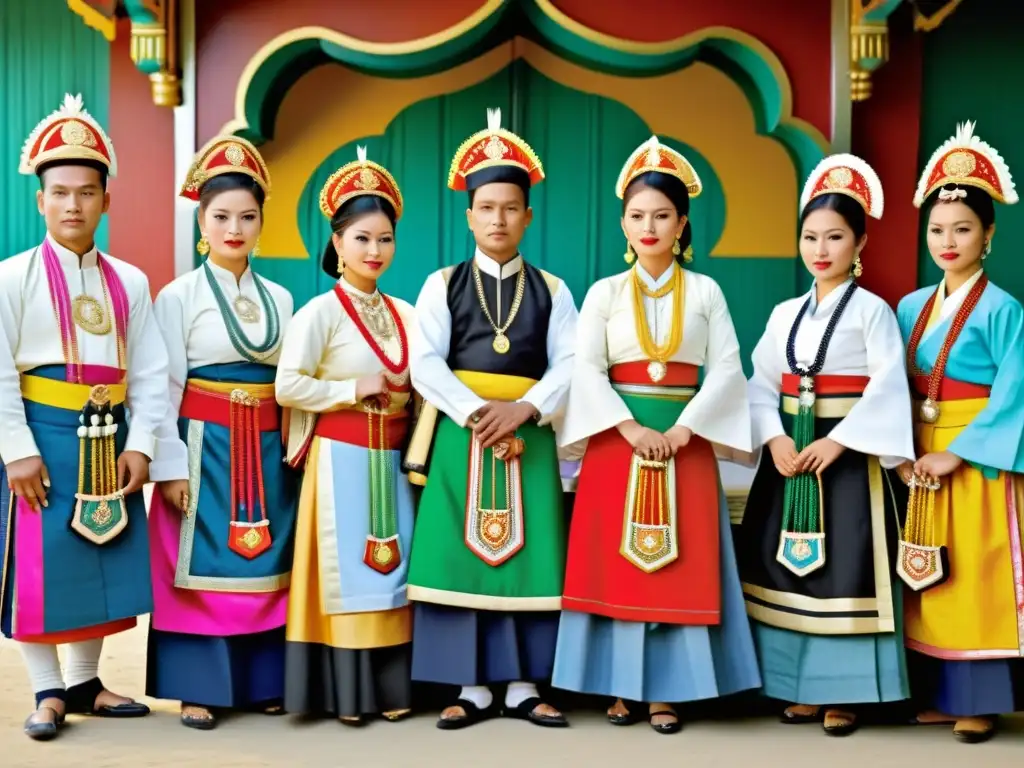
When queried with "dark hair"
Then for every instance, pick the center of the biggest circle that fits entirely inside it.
(96, 165)
(674, 190)
(499, 174)
(227, 182)
(978, 200)
(349, 213)
(851, 211)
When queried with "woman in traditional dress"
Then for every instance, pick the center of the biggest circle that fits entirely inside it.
(652, 609)
(345, 368)
(222, 525)
(965, 355)
(829, 399)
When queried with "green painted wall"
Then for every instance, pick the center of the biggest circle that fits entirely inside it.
(46, 51)
(974, 70)
(582, 139)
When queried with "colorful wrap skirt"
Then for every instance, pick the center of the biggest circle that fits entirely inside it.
(221, 571)
(57, 584)
(967, 633)
(652, 608)
(489, 553)
(349, 622)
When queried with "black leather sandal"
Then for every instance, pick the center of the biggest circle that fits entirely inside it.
(199, 722)
(525, 711)
(41, 730)
(666, 729)
(473, 716)
(839, 722)
(629, 718)
(81, 700)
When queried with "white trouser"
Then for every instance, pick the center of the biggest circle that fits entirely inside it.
(81, 665)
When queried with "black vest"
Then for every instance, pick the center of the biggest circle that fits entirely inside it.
(472, 336)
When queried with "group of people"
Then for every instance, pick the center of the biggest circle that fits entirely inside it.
(291, 562)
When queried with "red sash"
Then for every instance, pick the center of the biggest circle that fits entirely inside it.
(951, 389)
(599, 579)
(350, 426)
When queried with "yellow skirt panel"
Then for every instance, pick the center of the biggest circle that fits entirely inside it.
(306, 624)
(976, 613)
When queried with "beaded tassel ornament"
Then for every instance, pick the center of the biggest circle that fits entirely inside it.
(382, 552)
(249, 535)
(802, 539)
(920, 563)
(99, 504)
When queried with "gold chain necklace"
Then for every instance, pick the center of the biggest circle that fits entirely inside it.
(501, 344)
(659, 354)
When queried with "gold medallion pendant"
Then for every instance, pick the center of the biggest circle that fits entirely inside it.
(383, 555)
(501, 344)
(248, 311)
(89, 315)
(249, 540)
(656, 370)
(929, 411)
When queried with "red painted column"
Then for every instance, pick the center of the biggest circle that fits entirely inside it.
(141, 217)
(886, 133)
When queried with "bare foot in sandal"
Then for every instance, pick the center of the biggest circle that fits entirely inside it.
(198, 717)
(839, 722)
(797, 714)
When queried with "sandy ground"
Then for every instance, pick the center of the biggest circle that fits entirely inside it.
(252, 741)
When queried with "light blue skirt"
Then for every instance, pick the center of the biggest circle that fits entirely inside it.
(834, 669)
(662, 662)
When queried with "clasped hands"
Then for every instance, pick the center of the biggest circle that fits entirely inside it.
(653, 445)
(816, 457)
(496, 420)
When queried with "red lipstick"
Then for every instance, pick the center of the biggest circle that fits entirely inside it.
(649, 240)
(949, 256)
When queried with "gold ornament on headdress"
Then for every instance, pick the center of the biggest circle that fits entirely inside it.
(225, 154)
(655, 156)
(964, 160)
(493, 147)
(360, 177)
(68, 133)
(845, 174)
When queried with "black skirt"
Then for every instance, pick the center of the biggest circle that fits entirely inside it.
(853, 592)
(343, 682)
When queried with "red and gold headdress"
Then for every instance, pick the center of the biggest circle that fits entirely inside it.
(492, 148)
(966, 160)
(70, 133)
(652, 155)
(845, 175)
(360, 177)
(225, 154)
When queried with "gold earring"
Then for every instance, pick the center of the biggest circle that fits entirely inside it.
(858, 268)
(688, 253)
(256, 248)
(676, 250)
(630, 257)
(203, 246)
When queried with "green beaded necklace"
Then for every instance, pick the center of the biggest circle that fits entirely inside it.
(251, 352)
